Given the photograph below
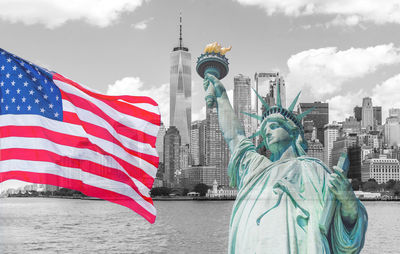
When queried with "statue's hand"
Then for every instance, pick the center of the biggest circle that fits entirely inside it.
(213, 91)
(340, 186)
(218, 87)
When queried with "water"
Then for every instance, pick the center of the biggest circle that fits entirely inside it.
(39, 225)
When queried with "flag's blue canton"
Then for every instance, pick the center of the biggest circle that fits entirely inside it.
(27, 89)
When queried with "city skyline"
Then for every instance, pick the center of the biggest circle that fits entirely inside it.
(125, 48)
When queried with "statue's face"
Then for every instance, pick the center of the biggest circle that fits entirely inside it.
(276, 137)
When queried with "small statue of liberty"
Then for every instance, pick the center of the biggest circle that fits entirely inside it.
(281, 199)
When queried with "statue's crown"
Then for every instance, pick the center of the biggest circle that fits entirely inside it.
(278, 109)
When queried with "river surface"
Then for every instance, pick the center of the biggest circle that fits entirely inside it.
(47, 225)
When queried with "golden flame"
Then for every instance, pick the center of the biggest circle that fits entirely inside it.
(216, 48)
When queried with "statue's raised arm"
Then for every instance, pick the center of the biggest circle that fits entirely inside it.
(212, 65)
(230, 125)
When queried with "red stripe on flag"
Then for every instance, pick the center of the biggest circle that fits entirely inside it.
(125, 108)
(103, 133)
(134, 111)
(64, 161)
(119, 127)
(128, 98)
(42, 178)
(74, 141)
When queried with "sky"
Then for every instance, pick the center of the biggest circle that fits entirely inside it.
(333, 51)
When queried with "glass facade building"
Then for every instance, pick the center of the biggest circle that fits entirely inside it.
(349, 145)
(172, 144)
(198, 142)
(160, 143)
(331, 134)
(181, 90)
(242, 101)
(217, 151)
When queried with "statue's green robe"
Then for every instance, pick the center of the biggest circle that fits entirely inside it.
(279, 206)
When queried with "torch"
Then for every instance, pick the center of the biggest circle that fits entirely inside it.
(213, 61)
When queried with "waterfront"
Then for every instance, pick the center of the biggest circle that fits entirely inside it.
(40, 225)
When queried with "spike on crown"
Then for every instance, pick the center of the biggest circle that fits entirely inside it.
(278, 109)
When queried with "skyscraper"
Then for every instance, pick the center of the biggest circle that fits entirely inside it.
(181, 89)
(278, 82)
(348, 144)
(392, 131)
(367, 118)
(266, 84)
(184, 157)
(198, 142)
(242, 101)
(172, 144)
(331, 133)
(320, 116)
(358, 113)
(217, 151)
(377, 115)
(160, 143)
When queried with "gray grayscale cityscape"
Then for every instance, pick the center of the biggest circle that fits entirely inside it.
(194, 153)
(150, 48)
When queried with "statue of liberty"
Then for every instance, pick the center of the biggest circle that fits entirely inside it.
(281, 199)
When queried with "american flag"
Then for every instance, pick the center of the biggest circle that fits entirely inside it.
(55, 131)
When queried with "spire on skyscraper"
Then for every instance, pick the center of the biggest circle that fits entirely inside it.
(180, 47)
(180, 29)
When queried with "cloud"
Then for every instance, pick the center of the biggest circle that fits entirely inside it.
(342, 106)
(142, 25)
(53, 14)
(384, 94)
(387, 95)
(200, 115)
(306, 27)
(134, 86)
(351, 12)
(324, 71)
(351, 21)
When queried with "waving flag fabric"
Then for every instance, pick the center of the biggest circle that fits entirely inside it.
(55, 131)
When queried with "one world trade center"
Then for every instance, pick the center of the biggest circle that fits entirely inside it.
(181, 90)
